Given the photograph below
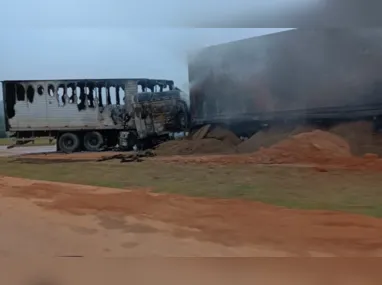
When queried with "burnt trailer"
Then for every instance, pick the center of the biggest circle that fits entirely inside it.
(94, 114)
(310, 75)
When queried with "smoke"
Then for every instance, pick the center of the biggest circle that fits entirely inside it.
(229, 60)
(177, 45)
(249, 14)
(285, 13)
(293, 70)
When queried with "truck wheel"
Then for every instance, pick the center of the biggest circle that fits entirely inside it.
(68, 142)
(93, 141)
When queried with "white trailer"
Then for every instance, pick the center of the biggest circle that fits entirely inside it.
(93, 114)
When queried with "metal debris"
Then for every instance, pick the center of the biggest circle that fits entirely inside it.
(133, 157)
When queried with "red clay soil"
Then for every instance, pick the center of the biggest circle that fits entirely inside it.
(267, 138)
(230, 222)
(188, 147)
(311, 148)
(206, 140)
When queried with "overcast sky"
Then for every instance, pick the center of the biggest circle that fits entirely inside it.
(93, 39)
(106, 53)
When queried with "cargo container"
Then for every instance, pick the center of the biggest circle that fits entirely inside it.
(300, 74)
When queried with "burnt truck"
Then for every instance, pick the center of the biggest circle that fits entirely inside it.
(300, 76)
(312, 76)
(93, 114)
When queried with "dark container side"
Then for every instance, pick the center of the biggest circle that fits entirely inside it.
(5, 116)
(303, 71)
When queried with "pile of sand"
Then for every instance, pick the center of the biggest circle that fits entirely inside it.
(316, 147)
(310, 147)
(321, 148)
(207, 140)
(269, 137)
(289, 143)
(360, 137)
(224, 135)
(188, 147)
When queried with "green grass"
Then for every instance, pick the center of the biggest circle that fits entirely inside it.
(37, 142)
(301, 188)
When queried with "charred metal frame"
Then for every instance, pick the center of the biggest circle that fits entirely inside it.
(72, 104)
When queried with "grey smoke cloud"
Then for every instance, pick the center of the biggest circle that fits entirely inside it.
(293, 70)
(51, 53)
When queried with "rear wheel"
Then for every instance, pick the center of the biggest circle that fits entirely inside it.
(68, 142)
(93, 141)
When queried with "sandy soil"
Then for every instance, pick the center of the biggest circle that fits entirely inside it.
(56, 219)
(31, 230)
(315, 148)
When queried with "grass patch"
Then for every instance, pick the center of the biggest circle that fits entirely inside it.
(37, 142)
(301, 188)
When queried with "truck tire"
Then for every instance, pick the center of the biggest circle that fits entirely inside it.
(93, 141)
(68, 142)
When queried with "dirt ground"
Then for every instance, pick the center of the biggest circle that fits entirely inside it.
(199, 205)
(4, 152)
(78, 157)
(32, 225)
(316, 148)
(56, 219)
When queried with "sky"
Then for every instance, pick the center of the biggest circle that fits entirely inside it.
(107, 39)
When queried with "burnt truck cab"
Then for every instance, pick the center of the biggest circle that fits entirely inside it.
(165, 110)
(91, 114)
(156, 113)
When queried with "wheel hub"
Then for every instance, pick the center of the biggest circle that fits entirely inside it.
(93, 141)
(69, 142)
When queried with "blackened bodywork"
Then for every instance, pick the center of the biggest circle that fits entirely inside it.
(148, 106)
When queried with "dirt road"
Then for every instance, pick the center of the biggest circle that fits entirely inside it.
(25, 150)
(55, 219)
(28, 229)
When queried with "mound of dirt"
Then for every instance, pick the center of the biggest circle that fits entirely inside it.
(267, 138)
(360, 137)
(187, 147)
(316, 147)
(206, 140)
(311, 147)
(321, 148)
(201, 133)
(224, 135)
